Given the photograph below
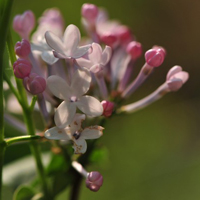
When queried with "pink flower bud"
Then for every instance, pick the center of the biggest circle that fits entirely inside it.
(155, 57)
(176, 78)
(160, 48)
(107, 108)
(23, 48)
(35, 84)
(124, 34)
(22, 68)
(24, 24)
(94, 181)
(109, 39)
(134, 49)
(89, 12)
(52, 19)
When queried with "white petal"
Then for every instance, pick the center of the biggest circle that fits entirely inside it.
(182, 75)
(80, 82)
(59, 55)
(173, 71)
(76, 122)
(80, 146)
(57, 134)
(174, 84)
(96, 54)
(54, 42)
(80, 51)
(92, 132)
(116, 65)
(90, 106)
(49, 57)
(71, 39)
(82, 62)
(64, 114)
(59, 87)
(106, 55)
(96, 68)
(35, 47)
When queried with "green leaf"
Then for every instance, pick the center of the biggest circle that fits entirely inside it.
(23, 193)
(57, 164)
(61, 182)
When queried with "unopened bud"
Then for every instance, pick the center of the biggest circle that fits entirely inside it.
(23, 48)
(124, 34)
(89, 12)
(94, 181)
(134, 49)
(160, 48)
(35, 84)
(176, 78)
(24, 24)
(107, 108)
(109, 39)
(22, 68)
(155, 57)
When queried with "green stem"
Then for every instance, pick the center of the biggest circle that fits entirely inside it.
(2, 151)
(36, 151)
(26, 138)
(5, 11)
(34, 99)
(11, 86)
(27, 113)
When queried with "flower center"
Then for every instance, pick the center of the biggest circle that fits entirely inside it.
(76, 135)
(73, 98)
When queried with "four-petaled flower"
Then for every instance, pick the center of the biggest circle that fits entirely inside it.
(97, 59)
(75, 133)
(72, 96)
(67, 47)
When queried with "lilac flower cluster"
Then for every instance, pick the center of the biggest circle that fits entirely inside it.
(72, 69)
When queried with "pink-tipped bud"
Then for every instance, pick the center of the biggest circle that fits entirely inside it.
(94, 181)
(134, 49)
(22, 68)
(24, 24)
(124, 34)
(176, 78)
(155, 57)
(35, 84)
(109, 39)
(160, 48)
(108, 108)
(23, 48)
(89, 12)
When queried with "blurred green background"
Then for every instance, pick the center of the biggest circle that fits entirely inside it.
(153, 154)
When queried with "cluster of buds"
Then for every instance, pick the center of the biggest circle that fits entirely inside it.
(22, 68)
(74, 72)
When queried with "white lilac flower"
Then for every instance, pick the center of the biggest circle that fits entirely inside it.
(51, 20)
(45, 51)
(97, 59)
(67, 47)
(75, 133)
(73, 97)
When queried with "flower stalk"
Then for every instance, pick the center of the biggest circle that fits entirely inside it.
(5, 9)
(27, 113)
(19, 139)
